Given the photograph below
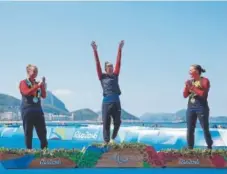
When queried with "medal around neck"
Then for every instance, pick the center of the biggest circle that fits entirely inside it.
(35, 100)
(192, 100)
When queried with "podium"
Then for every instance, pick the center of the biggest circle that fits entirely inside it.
(124, 155)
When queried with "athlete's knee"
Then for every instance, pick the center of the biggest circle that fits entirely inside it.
(28, 132)
(191, 128)
(44, 131)
(206, 131)
(117, 121)
(106, 125)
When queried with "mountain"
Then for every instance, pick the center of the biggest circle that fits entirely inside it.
(50, 105)
(54, 105)
(157, 117)
(175, 117)
(127, 116)
(219, 119)
(85, 114)
(181, 115)
(8, 103)
(124, 115)
(54, 110)
(164, 117)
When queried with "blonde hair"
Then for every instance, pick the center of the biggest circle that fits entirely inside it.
(30, 66)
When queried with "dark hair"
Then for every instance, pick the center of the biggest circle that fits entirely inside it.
(106, 63)
(199, 68)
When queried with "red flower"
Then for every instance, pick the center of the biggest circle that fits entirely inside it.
(218, 161)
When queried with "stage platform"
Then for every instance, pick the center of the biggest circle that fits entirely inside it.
(141, 153)
(118, 156)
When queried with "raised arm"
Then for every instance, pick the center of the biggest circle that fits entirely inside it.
(98, 66)
(118, 62)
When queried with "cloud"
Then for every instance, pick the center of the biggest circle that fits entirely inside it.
(62, 92)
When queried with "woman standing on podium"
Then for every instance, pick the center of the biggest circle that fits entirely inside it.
(197, 90)
(111, 106)
(31, 109)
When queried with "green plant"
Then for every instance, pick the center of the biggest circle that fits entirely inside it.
(58, 153)
(46, 153)
(196, 152)
(122, 145)
(14, 151)
(89, 159)
(75, 154)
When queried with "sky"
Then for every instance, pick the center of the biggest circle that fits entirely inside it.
(162, 40)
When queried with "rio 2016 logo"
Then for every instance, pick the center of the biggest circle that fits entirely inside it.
(50, 162)
(85, 135)
(121, 158)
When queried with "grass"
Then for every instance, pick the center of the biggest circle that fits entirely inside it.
(196, 152)
(67, 153)
(122, 145)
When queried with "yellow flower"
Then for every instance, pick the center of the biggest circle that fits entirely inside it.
(197, 84)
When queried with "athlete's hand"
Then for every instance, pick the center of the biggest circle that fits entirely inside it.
(44, 80)
(94, 46)
(40, 83)
(121, 44)
(188, 84)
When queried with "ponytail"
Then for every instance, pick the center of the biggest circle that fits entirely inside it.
(203, 70)
(199, 68)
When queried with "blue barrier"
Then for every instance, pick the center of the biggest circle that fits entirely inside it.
(77, 137)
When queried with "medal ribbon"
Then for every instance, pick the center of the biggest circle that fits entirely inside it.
(192, 95)
(37, 93)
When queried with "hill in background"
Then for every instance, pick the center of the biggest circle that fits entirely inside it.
(85, 114)
(50, 105)
(165, 117)
(175, 117)
(9, 103)
(124, 115)
(54, 105)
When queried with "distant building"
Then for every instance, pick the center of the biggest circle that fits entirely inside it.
(7, 116)
(55, 117)
(48, 116)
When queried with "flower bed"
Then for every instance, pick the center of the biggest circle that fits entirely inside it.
(57, 158)
(124, 155)
(143, 156)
